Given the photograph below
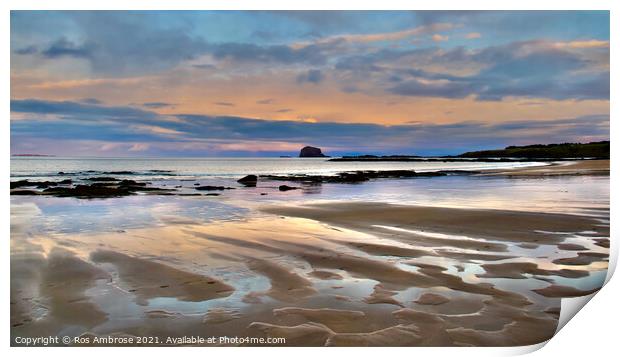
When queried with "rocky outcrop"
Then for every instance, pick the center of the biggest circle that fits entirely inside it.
(102, 187)
(311, 151)
(213, 188)
(249, 180)
(38, 184)
(287, 188)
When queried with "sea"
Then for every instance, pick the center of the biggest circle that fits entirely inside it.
(584, 195)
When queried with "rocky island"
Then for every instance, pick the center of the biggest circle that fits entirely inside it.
(311, 151)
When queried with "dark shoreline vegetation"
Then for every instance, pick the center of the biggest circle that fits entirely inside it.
(551, 152)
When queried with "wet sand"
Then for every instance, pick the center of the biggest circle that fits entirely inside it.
(323, 274)
(336, 274)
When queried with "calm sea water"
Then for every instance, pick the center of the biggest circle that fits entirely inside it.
(566, 194)
(44, 167)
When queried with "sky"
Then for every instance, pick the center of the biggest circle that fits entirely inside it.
(266, 83)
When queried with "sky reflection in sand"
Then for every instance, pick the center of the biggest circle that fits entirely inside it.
(274, 261)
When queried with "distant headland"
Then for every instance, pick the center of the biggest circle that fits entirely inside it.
(564, 151)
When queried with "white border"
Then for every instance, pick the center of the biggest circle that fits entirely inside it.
(591, 331)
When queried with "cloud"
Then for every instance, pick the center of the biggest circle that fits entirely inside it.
(582, 44)
(139, 147)
(204, 66)
(65, 48)
(473, 35)
(91, 101)
(81, 111)
(73, 121)
(397, 35)
(157, 105)
(116, 42)
(433, 88)
(528, 69)
(311, 76)
(225, 104)
(265, 101)
(29, 50)
(439, 38)
(247, 52)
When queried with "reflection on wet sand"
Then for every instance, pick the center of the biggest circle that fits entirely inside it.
(361, 274)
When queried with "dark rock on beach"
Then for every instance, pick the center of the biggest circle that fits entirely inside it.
(213, 188)
(38, 184)
(24, 192)
(249, 180)
(287, 188)
(21, 183)
(98, 189)
(88, 191)
(131, 183)
(311, 151)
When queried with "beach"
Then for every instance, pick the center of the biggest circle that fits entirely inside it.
(480, 256)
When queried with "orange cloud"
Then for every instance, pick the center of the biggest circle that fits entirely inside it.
(473, 35)
(439, 38)
(384, 36)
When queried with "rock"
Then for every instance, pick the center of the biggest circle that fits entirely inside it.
(38, 184)
(311, 151)
(287, 188)
(98, 190)
(103, 184)
(249, 180)
(87, 191)
(20, 183)
(212, 188)
(131, 183)
(24, 192)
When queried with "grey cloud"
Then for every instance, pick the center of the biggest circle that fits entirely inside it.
(311, 76)
(29, 50)
(91, 101)
(246, 52)
(533, 69)
(157, 105)
(65, 48)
